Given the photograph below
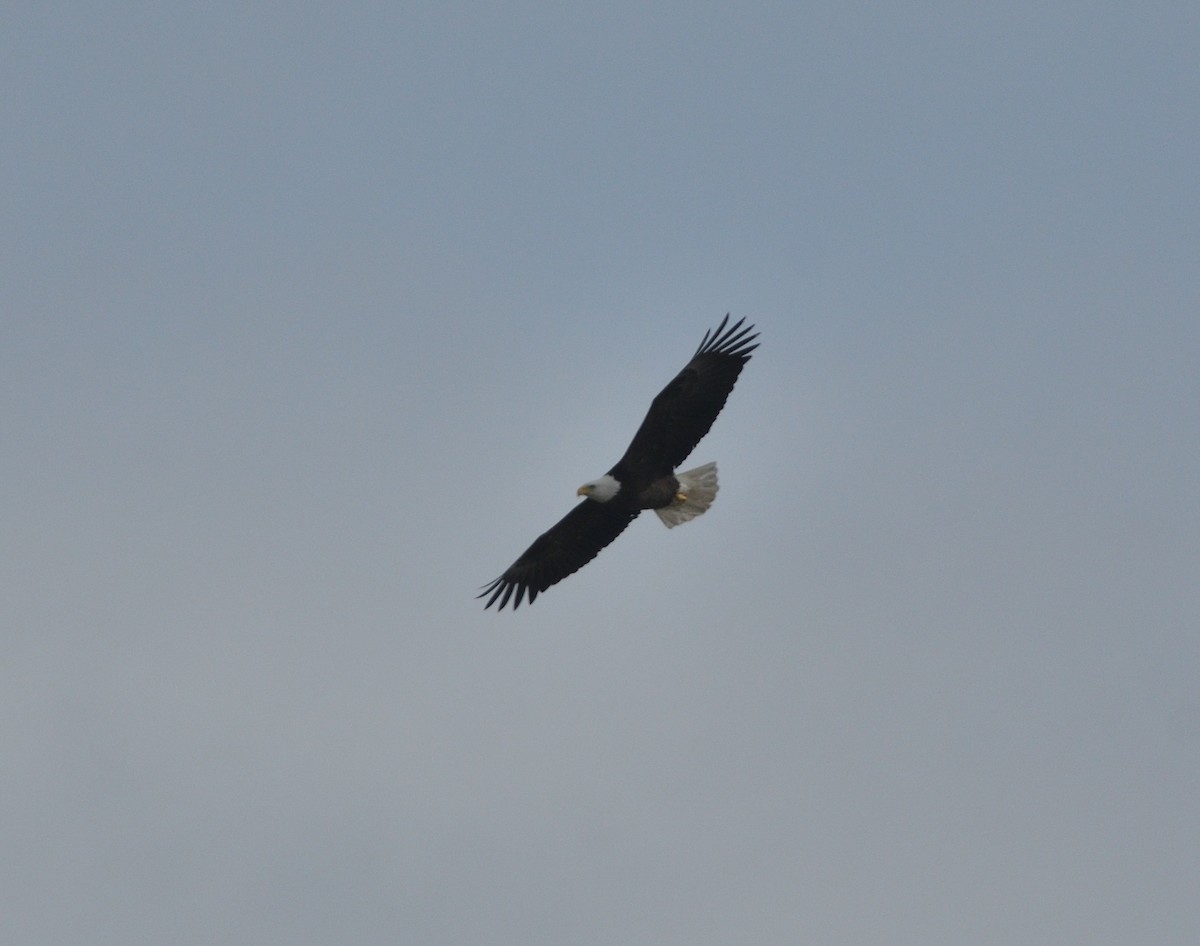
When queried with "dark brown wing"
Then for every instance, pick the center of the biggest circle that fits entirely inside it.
(685, 409)
(561, 550)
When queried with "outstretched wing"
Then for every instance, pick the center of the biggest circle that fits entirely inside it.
(561, 550)
(685, 409)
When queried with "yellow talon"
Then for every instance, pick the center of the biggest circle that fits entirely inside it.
(681, 497)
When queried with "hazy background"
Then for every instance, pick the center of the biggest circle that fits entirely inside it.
(315, 315)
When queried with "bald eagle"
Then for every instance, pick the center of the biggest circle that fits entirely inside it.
(645, 478)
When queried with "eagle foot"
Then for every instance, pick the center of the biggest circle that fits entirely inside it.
(681, 498)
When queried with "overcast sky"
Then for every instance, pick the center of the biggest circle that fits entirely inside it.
(315, 315)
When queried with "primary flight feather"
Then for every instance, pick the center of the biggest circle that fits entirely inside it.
(645, 477)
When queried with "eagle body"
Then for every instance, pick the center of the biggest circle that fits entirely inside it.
(659, 494)
(646, 477)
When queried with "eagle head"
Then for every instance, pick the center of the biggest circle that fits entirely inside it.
(601, 490)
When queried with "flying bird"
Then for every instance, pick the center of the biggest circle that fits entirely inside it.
(646, 477)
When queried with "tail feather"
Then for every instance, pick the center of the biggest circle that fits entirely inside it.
(700, 488)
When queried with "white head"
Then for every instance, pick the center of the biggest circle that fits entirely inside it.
(601, 490)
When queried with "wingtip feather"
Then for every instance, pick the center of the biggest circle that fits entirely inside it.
(734, 340)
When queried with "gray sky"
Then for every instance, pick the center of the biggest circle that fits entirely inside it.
(315, 315)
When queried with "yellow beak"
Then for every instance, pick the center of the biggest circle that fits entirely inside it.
(582, 491)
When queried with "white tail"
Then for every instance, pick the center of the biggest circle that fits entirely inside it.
(700, 488)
